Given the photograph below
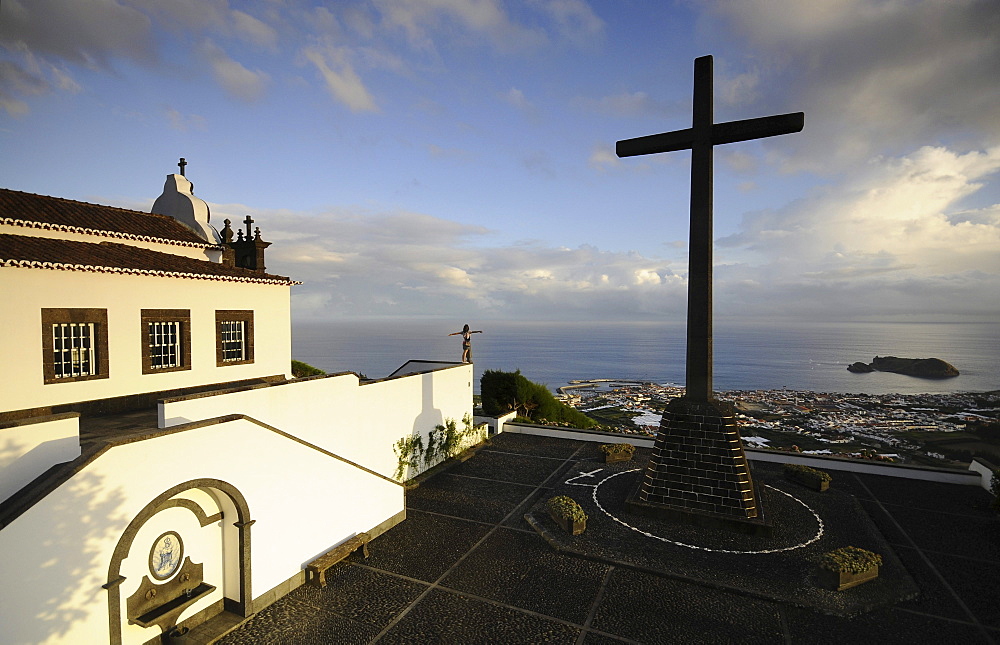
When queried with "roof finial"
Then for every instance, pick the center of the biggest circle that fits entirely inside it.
(181, 164)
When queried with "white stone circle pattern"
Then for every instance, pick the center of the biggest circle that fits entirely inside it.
(819, 520)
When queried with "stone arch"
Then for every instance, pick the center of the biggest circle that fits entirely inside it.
(242, 606)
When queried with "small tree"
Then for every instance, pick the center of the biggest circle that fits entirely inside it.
(504, 392)
(300, 369)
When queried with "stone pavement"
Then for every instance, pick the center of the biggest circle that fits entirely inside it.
(465, 567)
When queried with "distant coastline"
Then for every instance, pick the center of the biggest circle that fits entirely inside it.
(792, 356)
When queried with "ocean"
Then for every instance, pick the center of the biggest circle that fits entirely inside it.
(796, 356)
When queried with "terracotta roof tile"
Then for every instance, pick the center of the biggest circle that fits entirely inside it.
(48, 253)
(40, 211)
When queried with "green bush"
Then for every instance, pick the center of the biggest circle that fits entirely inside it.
(566, 507)
(504, 392)
(617, 448)
(850, 559)
(300, 369)
(792, 470)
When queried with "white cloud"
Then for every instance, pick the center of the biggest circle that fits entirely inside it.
(516, 98)
(872, 76)
(364, 263)
(84, 33)
(184, 122)
(603, 157)
(238, 81)
(424, 20)
(575, 20)
(30, 75)
(629, 104)
(341, 80)
(891, 236)
(254, 31)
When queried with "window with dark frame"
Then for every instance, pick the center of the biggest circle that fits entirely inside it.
(234, 337)
(74, 345)
(166, 340)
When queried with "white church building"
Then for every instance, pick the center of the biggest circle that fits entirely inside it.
(159, 465)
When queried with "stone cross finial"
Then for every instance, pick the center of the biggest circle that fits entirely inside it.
(248, 221)
(181, 164)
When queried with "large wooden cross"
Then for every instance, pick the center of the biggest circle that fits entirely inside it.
(703, 134)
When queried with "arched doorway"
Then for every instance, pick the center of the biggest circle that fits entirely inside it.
(184, 557)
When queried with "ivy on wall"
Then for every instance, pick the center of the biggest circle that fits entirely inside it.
(443, 442)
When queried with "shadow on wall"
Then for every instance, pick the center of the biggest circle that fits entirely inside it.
(410, 450)
(51, 565)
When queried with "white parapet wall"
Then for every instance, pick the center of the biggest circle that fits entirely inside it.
(30, 447)
(973, 477)
(985, 470)
(495, 424)
(360, 421)
(56, 570)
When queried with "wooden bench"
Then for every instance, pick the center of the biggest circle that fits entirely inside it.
(316, 570)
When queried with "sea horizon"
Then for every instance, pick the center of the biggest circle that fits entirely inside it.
(809, 356)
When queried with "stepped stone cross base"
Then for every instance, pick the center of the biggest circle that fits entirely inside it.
(698, 473)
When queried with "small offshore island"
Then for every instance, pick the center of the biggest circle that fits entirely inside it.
(934, 368)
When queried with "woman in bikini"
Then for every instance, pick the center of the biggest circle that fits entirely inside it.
(466, 334)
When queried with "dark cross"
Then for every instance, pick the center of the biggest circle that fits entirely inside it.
(181, 164)
(699, 138)
(248, 222)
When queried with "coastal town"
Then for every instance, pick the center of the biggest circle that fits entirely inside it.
(944, 430)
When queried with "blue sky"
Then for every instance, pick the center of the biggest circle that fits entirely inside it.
(454, 158)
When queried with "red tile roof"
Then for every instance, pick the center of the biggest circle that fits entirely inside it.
(55, 213)
(111, 257)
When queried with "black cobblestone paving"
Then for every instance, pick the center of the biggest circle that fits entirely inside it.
(466, 568)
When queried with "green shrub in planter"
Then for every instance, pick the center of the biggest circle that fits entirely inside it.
(848, 567)
(617, 451)
(850, 559)
(566, 507)
(815, 479)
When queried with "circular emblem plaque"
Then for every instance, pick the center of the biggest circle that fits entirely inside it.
(166, 555)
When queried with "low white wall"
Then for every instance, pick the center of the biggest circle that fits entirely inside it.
(826, 463)
(495, 424)
(57, 553)
(985, 470)
(598, 436)
(360, 422)
(28, 448)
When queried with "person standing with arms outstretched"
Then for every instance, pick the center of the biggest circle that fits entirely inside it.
(466, 334)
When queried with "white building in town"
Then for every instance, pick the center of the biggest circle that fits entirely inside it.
(160, 468)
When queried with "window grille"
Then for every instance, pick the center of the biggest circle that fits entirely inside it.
(73, 349)
(164, 344)
(233, 340)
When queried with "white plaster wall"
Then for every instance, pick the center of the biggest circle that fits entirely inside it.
(357, 422)
(196, 252)
(28, 449)
(58, 552)
(496, 424)
(28, 291)
(985, 472)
